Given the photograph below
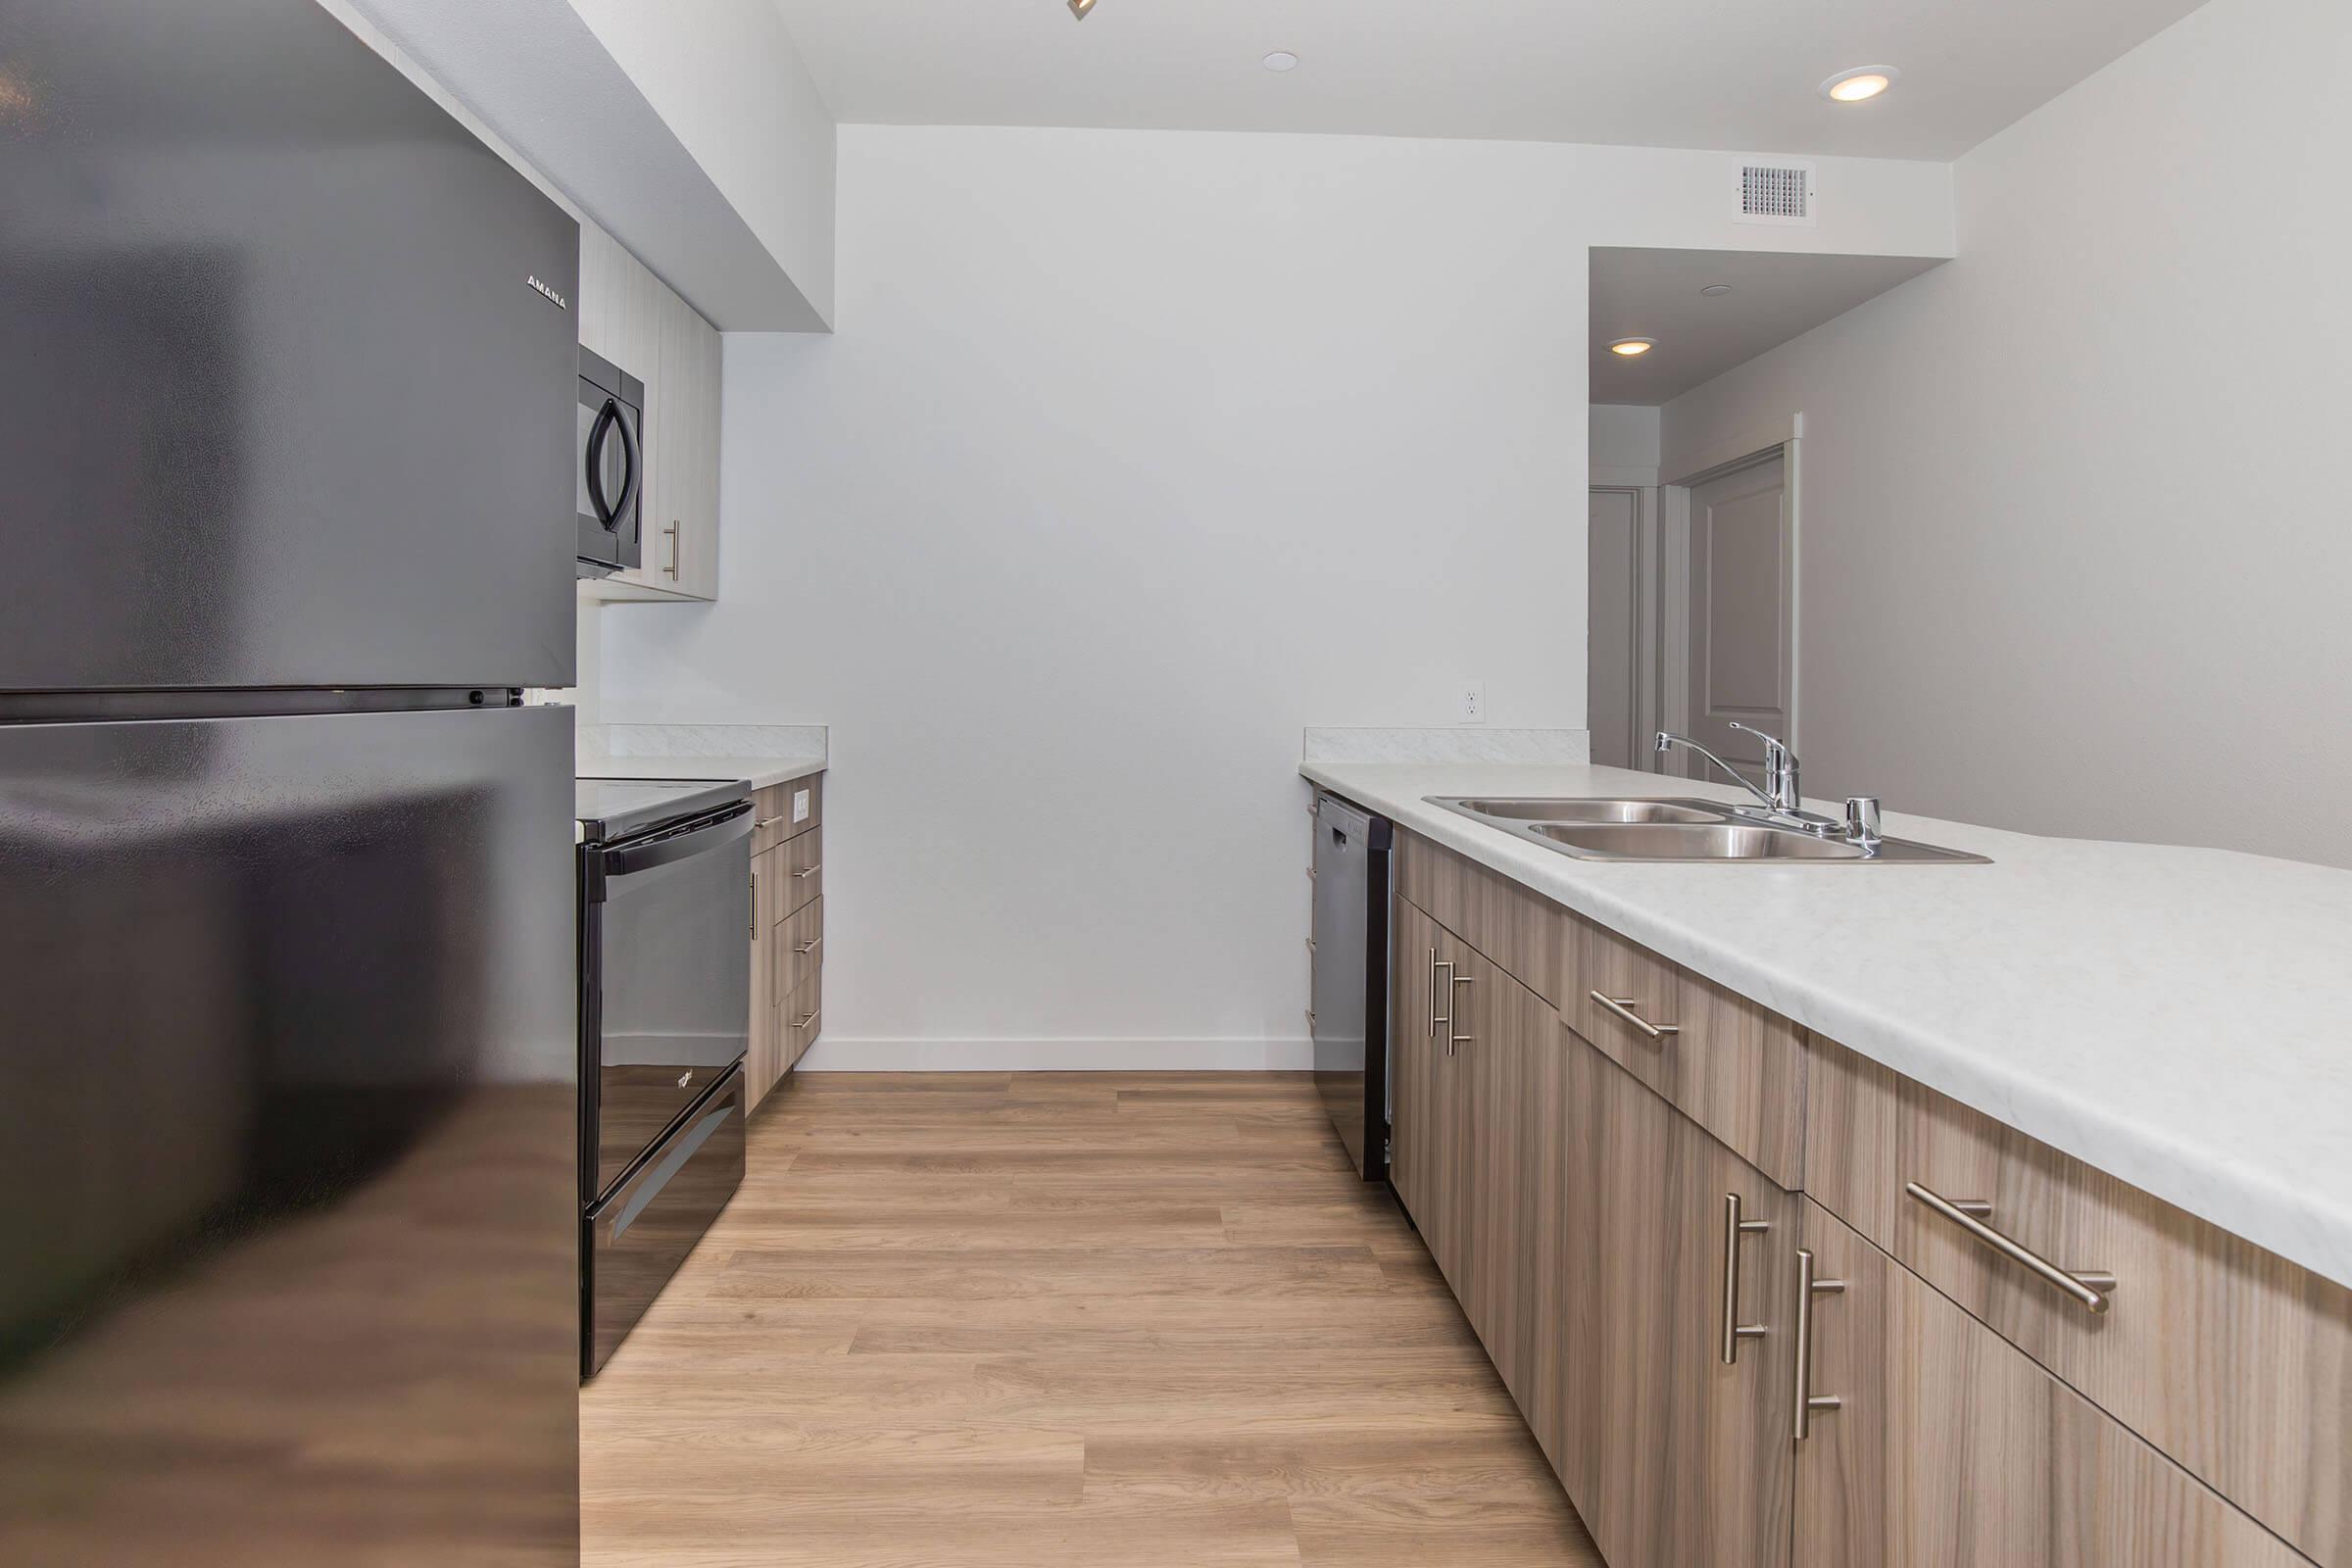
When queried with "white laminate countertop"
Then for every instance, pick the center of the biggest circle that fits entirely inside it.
(2179, 1018)
(762, 771)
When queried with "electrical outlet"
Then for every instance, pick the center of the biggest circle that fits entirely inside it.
(1473, 705)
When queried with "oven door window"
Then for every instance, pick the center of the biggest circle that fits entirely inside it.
(676, 995)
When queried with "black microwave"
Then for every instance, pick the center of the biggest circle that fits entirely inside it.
(608, 468)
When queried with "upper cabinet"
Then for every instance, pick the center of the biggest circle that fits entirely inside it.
(633, 318)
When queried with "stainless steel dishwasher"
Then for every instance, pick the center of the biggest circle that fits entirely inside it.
(1349, 1019)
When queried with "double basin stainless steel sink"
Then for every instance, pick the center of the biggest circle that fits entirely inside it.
(1607, 828)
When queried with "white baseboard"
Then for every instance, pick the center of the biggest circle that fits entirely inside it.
(837, 1054)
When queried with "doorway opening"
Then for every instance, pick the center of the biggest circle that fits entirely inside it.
(1692, 548)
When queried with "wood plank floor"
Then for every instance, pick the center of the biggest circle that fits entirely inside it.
(1058, 1318)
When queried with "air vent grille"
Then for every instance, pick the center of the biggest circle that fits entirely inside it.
(1776, 193)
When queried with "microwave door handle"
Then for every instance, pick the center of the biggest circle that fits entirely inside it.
(628, 450)
(606, 418)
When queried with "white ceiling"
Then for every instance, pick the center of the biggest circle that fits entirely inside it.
(1774, 297)
(1736, 74)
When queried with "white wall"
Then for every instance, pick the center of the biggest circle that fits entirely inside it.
(1623, 440)
(1134, 454)
(2074, 557)
(727, 79)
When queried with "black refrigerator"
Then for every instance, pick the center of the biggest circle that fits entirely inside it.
(288, 1071)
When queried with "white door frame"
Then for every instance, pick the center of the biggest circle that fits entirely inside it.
(1649, 559)
(1674, 586)
(1649, 646)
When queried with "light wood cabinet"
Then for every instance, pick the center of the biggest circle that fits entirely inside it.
(1951, 1448)
(799, 947)
(2230, 1359)
(1736, 1068)
(764, 1057)
(803, 1019)
(633, 318)
(788, 911)
(1564, 1169)
(681, 493)
(1498, 1025)
(1575, 1178)
(1689, 1459)
(620, 306)
(1532, 939)
(803, 882)
(787, 811)
(1412, 1048)
(1437, 1084)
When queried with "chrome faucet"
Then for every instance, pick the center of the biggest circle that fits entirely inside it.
(1782, 796)
(1781, 790)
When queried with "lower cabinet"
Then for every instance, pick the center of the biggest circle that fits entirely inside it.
(1724, 1374)
(1601, 1245)
(1432, 1124)
(1685, 1257)
(1949, 1446)
(788, 932)
(762, 1059)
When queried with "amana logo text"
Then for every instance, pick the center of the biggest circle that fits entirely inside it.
(533, 280)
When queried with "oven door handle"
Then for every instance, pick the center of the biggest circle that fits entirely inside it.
(712, 834)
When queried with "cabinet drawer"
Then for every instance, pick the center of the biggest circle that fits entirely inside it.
(1733, 1067)
(786, 811)
(802, 881)
(800, 948)
(2229, 1359)
(1950, 1449)
(1525, 935)
(802, 1018)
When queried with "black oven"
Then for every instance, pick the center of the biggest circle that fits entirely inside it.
(664, 1019)
(608, 468)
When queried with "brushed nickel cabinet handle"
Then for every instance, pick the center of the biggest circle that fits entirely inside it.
(672, 568)
(1453, 1039)
(803, 876)
(767, 821)
(755, 905)
(1446, 964)
(1623, 1007)
(2087, 1288)
(811, 1019)
(810, 946)
(1734, 1228)
(1808, 1286)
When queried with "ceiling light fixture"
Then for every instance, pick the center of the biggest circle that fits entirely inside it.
(1079, 8)
(1633, 348)
(1713, 290)
(1282, 60)
(1859, 84)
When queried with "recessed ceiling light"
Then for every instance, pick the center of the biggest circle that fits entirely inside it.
(1713, 289)
(1633, 347)
(1860, 83)
(1282, 60)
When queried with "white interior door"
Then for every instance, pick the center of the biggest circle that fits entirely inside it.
(1613, 621)
(1742, 601)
